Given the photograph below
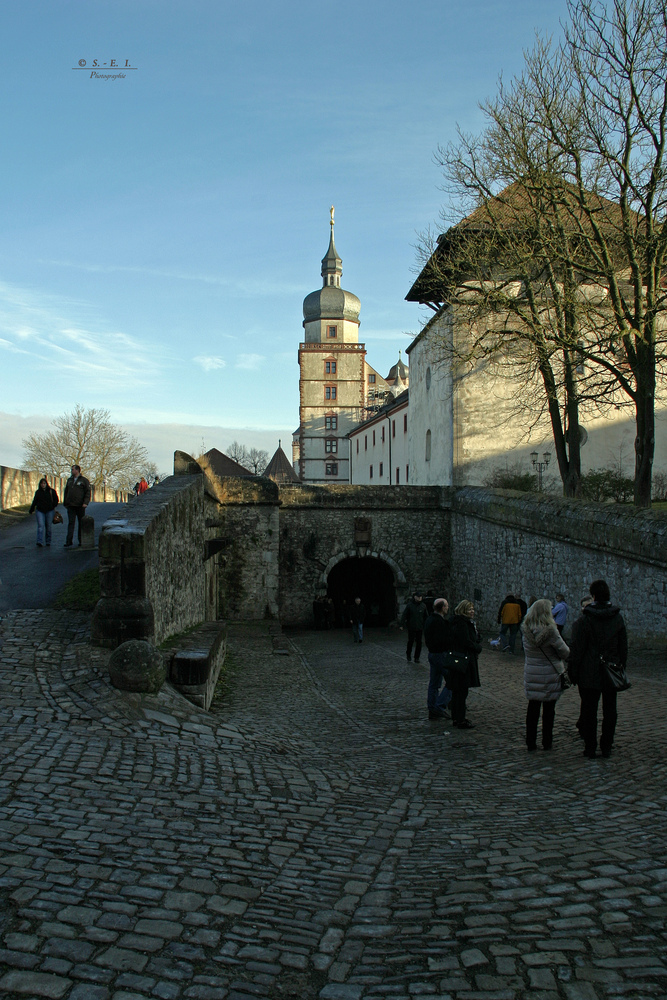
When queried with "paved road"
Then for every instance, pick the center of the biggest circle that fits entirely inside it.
(316, 837)
(31, 577)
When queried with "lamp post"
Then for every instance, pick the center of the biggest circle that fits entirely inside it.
(540, 466)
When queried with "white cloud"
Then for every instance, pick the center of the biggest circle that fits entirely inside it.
(210, 362)
(249, 361)
(49, 329)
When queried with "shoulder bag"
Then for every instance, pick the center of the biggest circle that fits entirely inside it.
(615, 674)
(565, 681)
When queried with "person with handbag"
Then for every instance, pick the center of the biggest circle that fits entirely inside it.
(543, 671)
(598, 655)
(44, 504)
(463, 672)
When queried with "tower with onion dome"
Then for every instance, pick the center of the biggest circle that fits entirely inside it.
(332, 376)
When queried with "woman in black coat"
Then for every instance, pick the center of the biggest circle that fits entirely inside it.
(44, 503)
(463, 638)
(600, 632)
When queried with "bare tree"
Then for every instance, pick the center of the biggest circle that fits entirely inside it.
(88, 438)
(239, 453)
(257, 459)
(582, 132)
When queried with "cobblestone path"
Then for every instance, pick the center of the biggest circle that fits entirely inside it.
(315, 836)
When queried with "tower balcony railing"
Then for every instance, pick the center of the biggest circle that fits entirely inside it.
(330, 345)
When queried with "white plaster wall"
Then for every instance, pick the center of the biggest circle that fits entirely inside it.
(393, 452)
(430, 409)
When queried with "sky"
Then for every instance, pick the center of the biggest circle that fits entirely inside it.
(161, 221)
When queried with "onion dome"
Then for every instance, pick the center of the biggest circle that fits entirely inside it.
(331, 301)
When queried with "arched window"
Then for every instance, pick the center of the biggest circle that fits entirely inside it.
(428, 446)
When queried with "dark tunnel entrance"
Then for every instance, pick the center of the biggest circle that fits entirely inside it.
(370, 579)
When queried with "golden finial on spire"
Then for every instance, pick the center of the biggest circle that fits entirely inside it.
(332, 216)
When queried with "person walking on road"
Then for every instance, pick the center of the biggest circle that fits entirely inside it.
(436, 636)
(598, 636)
(44, 504)
(543, 669)
(465, 640)
(560, 611)
(413, 619)
(76, 499)
(357, 617)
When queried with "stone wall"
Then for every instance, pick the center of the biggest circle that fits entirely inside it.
(152, 575)
(409, 531)
(17, 487)
(242, 532)
(504, 541)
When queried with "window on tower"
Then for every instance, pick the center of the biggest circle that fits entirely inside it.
(331, 445)
(332, 332)
(331, 468)
(331, 423)
(330, 392)
(329, 367)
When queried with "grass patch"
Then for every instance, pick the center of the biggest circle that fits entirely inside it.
(174, 640)
(81, 593)
(223, 688)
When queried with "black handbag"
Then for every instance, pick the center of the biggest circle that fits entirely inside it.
(615, 674)
(456, 661)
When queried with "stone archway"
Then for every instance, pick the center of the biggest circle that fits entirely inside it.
(373, 578)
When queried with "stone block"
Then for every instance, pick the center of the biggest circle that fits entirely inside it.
(119, 619)
(196, 662)
(87, 532)
(137, 666)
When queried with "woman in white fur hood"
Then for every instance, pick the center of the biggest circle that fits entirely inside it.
(543, 669)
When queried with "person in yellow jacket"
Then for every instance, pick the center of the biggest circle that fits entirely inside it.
(509, 617)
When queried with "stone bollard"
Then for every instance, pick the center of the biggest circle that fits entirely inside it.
(87, 532)
(137, 666)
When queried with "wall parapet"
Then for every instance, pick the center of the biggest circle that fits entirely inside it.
(18, 486)
(342, 495)
(151, 554)
(640, 535)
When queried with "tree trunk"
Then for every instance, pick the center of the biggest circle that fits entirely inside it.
(644, 445)
(572, 481)
(556, 420)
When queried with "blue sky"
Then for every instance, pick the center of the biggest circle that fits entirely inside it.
(159, 232)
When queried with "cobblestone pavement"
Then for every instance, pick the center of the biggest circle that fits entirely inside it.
(315, 836)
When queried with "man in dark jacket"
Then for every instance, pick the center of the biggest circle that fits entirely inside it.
(436, 636)
(413, 618)
(357, 618)
(597, 636)
(76, 499)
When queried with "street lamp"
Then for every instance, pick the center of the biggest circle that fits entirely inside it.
(540, 466)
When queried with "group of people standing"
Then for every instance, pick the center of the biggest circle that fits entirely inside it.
(45, 502)
(453, 644)
(599, 641)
